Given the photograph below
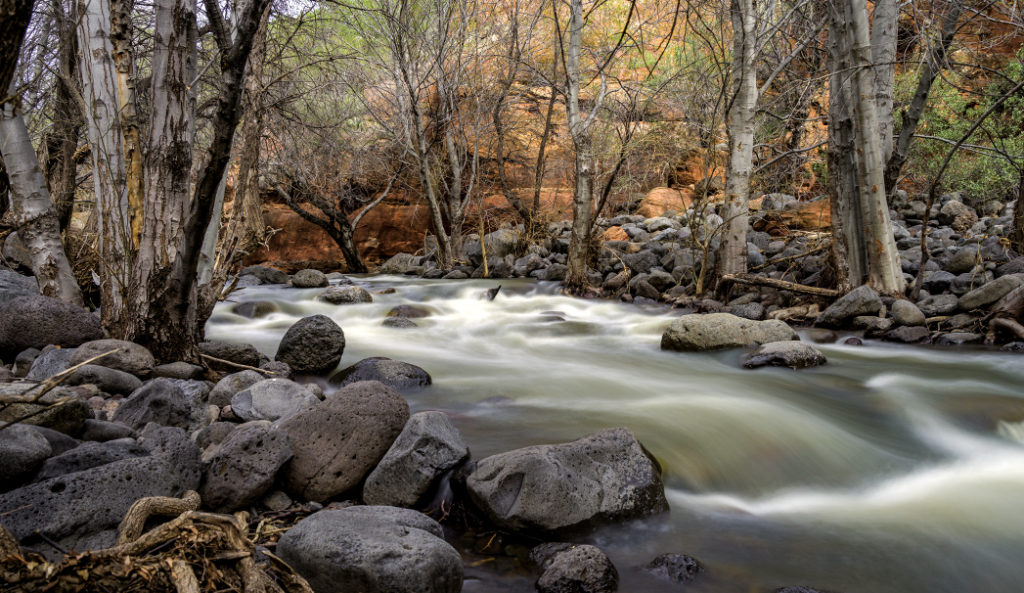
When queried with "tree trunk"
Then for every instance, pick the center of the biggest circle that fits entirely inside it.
(1018, 215)
(732, 257)
(62, 141)
(884, 274)
(14, 18)
(103, 125)
(883, 55)
(124, 63)
(583, 191)
(34, 218)
(930, 70)
(848, 249)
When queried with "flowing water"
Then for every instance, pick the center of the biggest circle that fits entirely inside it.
(888, 470)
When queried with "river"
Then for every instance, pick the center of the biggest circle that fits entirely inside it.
(888, 470)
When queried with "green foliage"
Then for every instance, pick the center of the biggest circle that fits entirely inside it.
(978, 171)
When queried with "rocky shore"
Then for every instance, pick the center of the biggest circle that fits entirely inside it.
(384, 500)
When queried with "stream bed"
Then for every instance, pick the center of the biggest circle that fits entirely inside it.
(891, 469)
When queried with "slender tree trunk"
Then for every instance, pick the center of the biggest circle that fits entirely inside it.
(124, 63)
(1018, 214)
(848, 248)
(5, 187)
(62, 141)
(885, 274)
(883, 55)
(103, 125)
(930, 70)
(583, 191)
(33, 214)
(732, 257)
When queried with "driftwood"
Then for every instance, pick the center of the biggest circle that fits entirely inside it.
(752, 280)
(193, 552)
(238, 365)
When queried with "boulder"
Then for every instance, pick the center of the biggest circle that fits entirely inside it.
(23, 450)
(312, 345)
(106, 379)
(243, 467)
(271, 399)
(162, 401)
(255, 309)
(574, 569)
(89, 455)
(49, 363)
(906, 313)
(939, 304)
(409, 311)
(372, 550)
(340, 295)
(795, 355)
(103, 430)
(338, 442)
(82, 510)
(964, 260)
(427, 447)
(398, 375)
(174, 446)
(862, 300)
(36, 321)
(908, 335)
(227, 387)
(245, 354)
(677, 569)
(399, 322)
(400, 263)
(309, 279)
(265, 274)
(130, 357)
(59, 442)
(990, 292)
(603, 477)
(14, 285)
(714, 331)
(68, 417)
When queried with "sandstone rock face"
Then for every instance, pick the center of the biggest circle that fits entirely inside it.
(603, 477)
(244, 465)
(372, 549)
(35, 321)
(338, 442)
(428, 446)
(715, 331)
(312, 345)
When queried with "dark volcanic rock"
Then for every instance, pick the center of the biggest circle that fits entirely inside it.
(23, 450)
(674, 568)
(89, 455)
(129, 357)
(795, 355)
(244, 465)
(578, 569)
(398, 375)
(312, 345)
(862, 300)
(246, 354)
(36, 321)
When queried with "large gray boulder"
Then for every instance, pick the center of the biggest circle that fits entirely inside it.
(128, 356)
(398, 375)
(309, 279)
(860, 301)
(89, 455)
(603, 477)
(36, 321)
(990, 292)
(715, 331)
(173, 445)
(23, 450)
(341, 295)
(227, 387)
(400, 263)
(243, 466)
(428, 446)
(906, 313)
(312, 345)
(82, 510)
(795, 355)
(271, 399)
(372, 550)
(338, 442)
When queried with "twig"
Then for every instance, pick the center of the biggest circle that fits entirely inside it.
(238, 365)
(752, 280)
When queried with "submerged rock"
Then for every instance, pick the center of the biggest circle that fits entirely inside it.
(603, 477)
(715, 331)
(396, 374)
(575, 569)
(795, 355)
(674, 568)
(372, 549)
(339, 295)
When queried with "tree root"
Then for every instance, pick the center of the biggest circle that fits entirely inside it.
(133, 523)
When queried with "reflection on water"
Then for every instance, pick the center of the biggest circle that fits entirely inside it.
(888, 470)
